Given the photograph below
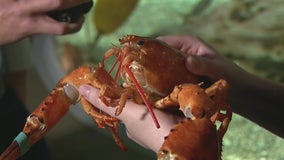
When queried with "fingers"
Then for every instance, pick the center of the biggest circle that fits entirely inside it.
(201, 58)
(189, 45)
(212, 67)
(131, 111)
(198, 65)
(46, 25)
(49, 5)
(37, 21)
(92, 95)
(186, 44)
(174, 41)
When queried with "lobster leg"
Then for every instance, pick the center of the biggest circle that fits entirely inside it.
(117, 139)
(170, 100)
(218, 92)
(96, 115)
(224, 118)
(109, 53)
(126, 94)
(103, 120)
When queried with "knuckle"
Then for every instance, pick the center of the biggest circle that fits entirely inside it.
(62, 29)
(26, 27)
(56, 3)
(197, 38)
(129, 135)
(65, 28)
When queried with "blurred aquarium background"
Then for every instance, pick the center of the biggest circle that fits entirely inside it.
(250, 32)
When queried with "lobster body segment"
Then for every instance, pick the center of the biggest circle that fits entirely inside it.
(151, 66)
(160, 66)
(156, 66)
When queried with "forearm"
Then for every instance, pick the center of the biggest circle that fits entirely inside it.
(260, 100)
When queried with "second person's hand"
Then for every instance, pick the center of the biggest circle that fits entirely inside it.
(203, 60)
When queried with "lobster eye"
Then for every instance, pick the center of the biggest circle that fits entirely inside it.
(140, 43)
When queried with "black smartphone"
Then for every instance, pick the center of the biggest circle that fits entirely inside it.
(71, 15)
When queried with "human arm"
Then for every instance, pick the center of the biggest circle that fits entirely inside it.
(22, 18)
(252, 97)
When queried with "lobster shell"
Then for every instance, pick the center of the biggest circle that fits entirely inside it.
(191, 140)
(162, 66)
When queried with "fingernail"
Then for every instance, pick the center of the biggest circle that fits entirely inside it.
(191, 62)
(85, 90)
(71, 92)
(192, 58)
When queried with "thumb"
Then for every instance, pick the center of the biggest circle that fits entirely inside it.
(131, 110)
(197, 65)
(91, 94)
(211, 67)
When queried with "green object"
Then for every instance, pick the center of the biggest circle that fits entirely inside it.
(23, 141)
(110, 15)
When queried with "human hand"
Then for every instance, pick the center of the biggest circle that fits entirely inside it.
(23, 18)
(139, 126)
(203, 60)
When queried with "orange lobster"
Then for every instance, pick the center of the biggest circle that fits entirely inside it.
(148, 67)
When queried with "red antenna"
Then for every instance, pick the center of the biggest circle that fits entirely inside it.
(140, 91)
(118, 61)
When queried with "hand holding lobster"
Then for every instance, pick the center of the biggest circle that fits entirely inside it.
(203, 60)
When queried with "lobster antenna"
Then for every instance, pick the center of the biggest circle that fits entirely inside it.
(140, 91)
(120, 65)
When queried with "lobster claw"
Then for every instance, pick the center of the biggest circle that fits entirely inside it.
(72, 93)
(42, 119)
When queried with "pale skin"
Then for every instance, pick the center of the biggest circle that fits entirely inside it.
(252, 97)
(22, 18)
